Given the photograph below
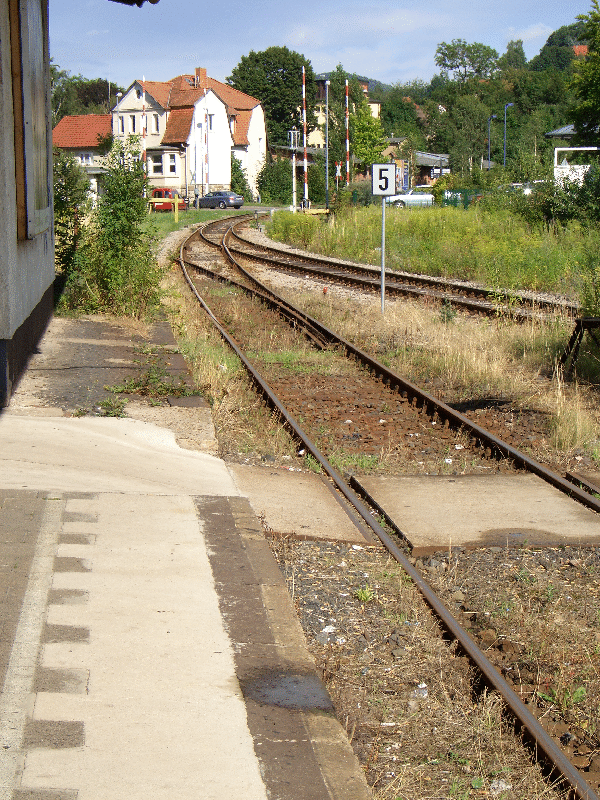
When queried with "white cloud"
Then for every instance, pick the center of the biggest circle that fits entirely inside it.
(532, 33)
(356, 26)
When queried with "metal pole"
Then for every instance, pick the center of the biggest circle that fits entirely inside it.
(293, 137)
(347, 139)
(383, 255)
(144, 157)
(327, 145)
(304, 126)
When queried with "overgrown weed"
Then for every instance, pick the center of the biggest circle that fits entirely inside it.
(499, 248)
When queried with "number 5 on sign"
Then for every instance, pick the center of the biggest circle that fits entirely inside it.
(383, 178)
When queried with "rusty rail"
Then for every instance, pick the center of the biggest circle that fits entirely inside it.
(552, 754)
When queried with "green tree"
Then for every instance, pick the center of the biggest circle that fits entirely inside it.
(585, 112)
(74, 94)
(71, 185)
(274, 76)
(462, 133)
(115, 269)
(558, 52)
(514, 58)
(400, 114)
(466, 61)
(368, 137)
(316, 180)
(275, 182)
(239, 179)
(337, 111)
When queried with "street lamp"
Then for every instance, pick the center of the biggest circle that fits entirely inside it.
(508, 105)
(489, 138)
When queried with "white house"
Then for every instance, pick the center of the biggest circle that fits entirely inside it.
(189, 128)
(81, 136)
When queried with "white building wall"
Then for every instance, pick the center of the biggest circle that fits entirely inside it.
(253, 157)
(209, 146)
(128, 119)
(128, 116)
(26, 265)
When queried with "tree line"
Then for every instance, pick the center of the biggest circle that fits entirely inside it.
(479, 102)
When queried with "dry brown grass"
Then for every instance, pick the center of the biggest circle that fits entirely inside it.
(468, 358)
(246, 428)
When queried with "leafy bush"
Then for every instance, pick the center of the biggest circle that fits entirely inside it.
(71, 186)
(275, 182)
(239, 179)
(115, 270)
(299, 228)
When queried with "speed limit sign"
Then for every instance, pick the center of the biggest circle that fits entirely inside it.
(383, 177)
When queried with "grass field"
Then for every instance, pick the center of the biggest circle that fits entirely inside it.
(496, 248)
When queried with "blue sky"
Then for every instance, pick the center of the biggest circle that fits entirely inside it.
(389, 40)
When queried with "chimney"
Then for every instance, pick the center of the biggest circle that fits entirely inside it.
(201, 78)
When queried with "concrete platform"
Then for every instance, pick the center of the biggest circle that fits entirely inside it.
(298, 504)
(148, 645)
(436, 512)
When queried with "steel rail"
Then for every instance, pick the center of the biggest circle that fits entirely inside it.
(432, 405)
(552, 753)
(397, 279)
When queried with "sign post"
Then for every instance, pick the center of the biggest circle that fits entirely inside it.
(383, 184)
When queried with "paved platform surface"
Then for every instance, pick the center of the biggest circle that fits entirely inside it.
(148, 646)
(472, 511)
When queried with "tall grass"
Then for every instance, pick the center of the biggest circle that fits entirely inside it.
(496, 248)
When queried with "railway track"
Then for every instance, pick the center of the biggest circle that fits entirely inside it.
(455, 294)
(430, 413)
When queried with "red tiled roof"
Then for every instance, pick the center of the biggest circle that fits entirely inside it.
(178, 126)
(180, 94)
(81, 130)
(159, 90)
(242, 123)
(232, 97)
(580, 49)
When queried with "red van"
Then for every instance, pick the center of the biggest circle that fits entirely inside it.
(169, 195)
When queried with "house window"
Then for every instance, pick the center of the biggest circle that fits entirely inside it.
(122, 125)
(172, 164)
(155, 165)
(132, 123)
(85, 158)
(155, 123)
(210, 121)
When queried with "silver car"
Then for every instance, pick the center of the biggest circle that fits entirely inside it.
(417, 196)
(221, 200)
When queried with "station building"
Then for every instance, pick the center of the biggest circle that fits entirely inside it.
(26, 222)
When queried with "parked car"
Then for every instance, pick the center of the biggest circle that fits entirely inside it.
(221, 200)
(417, 196)
(169, 196)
